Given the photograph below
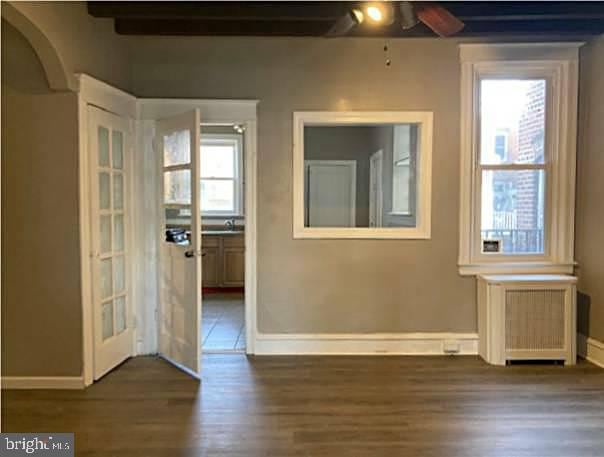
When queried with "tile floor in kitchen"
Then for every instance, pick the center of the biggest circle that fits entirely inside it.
(223, 322)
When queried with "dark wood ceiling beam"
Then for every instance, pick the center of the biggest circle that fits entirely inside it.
(306, 28)
(331, 10)
(533, 10)
(316, 18)
(220, 28)
(236, 11)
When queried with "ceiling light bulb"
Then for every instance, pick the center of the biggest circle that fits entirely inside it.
(358, 15)
(374, 13)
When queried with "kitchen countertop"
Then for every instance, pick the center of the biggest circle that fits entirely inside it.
(222, 232)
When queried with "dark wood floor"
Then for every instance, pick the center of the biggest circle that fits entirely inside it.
(326, 406)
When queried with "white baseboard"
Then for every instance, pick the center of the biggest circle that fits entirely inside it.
(42, 382)
(366, 344)
(590, 349)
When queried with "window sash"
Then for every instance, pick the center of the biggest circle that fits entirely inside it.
(237, 180)
(480, 167)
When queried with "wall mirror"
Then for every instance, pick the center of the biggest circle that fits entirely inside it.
(362, 174)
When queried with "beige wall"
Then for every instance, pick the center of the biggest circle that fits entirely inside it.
(84, 44)
(310, 286)
(590, 191)
(320, 286)
(41, 306)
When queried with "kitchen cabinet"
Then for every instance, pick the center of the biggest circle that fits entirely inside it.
(223, 260)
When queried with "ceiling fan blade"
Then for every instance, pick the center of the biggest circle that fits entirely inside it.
(439, 19)
(343, 25)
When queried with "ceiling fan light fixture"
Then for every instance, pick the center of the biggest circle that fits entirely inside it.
(358, 15)
(374, 13)
(379, 13)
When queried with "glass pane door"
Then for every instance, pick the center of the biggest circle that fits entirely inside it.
(109, 138)
(111, 238)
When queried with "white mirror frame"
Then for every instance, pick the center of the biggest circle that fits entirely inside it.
(348, 118)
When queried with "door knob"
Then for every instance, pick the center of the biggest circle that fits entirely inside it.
(190, 253)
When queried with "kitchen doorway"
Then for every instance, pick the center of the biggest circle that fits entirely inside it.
(223, 237)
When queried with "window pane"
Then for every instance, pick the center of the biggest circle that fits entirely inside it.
(119, 276)
(103, 137)
(104, 191)
(106, 279)
(512, 121)
(400, 188)
(217, 195)
(512, 209)
(361, 175)
(105, 234)
(177, 148)
(118, 235)
(120, 315)
(107, 316)
(217, 161)
(118, 191)
(177, 187)
(117, 143)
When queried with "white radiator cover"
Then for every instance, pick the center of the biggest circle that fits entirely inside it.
(527, 317)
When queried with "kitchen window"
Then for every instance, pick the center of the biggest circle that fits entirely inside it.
(519, 104)
(221, 175)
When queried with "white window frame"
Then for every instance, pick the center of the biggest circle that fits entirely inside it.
(557, 63)
(348, 118)
(410, 182)
(229, 139)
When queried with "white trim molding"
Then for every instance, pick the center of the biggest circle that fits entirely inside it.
(590, 349)
(42, 382)
(351, 118)
(557, 63)
(212, 111)
(366, 344)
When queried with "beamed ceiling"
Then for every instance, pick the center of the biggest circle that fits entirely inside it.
(316, 18)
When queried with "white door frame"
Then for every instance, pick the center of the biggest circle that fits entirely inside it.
(97, 93)
(242, 112)
(94, 92)
(376, 199)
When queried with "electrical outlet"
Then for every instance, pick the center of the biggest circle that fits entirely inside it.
(451, 347)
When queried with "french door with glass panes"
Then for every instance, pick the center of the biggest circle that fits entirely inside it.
(110, 148)
(178, 144)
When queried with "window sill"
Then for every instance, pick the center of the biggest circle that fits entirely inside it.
(221, 216)
(372, 233)
(516, 268)
(395, 213)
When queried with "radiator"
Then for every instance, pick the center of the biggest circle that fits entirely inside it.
(527, 317)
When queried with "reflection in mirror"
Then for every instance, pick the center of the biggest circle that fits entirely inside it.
(361, 175)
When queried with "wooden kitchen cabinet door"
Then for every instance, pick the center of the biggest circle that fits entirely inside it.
(211, 267)
(233, 266)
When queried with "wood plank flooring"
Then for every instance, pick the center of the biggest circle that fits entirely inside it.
(326, 406)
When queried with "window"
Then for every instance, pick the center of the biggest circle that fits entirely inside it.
(512, 207)
(405, 147)
(517, 189)
(362, 174)
(221, 175)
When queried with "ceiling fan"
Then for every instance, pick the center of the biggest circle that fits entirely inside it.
(409, 14)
